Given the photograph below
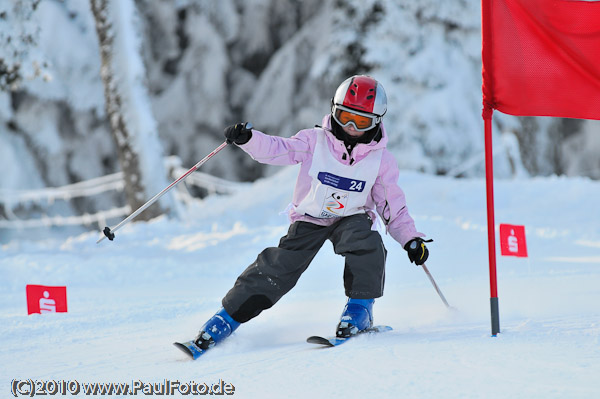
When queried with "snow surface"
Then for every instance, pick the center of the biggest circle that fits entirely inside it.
(158, 282)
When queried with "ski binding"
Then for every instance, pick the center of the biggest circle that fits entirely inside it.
(335, 341)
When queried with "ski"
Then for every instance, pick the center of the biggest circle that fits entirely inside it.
(190, 348)
(335, 341)
(194, 351)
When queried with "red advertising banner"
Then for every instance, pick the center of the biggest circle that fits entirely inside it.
(46, 299)
(512, 240)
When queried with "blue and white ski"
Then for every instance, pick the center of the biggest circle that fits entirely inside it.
(194, 351)
(335, 341)
(190, 348)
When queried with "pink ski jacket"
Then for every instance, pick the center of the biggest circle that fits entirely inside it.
(386, 197)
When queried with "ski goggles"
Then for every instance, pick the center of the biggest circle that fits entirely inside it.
(361, 121)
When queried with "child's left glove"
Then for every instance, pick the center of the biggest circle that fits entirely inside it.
(417, 251)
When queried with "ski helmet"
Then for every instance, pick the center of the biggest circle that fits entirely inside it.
(361, 101)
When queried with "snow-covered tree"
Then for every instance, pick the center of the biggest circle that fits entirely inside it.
(19, 35)
(127, 106)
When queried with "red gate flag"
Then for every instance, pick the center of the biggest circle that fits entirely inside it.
(541, 57)
(45, 299)
(512, 240)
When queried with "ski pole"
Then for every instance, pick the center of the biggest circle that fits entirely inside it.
(110, 233)
(435, 285)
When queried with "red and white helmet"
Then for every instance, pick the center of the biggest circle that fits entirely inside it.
(361, 101)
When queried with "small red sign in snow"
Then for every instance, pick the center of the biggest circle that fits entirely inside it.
(45, 299)
(512, 240)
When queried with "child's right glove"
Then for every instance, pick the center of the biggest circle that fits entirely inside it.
(417, 251)
(240, 133)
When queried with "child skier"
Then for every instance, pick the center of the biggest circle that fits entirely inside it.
(346, 175)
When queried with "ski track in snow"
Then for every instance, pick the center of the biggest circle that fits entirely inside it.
(159, 282)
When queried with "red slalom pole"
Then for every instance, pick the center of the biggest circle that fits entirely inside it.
(487, 71)
(489, 184)
(110, 233)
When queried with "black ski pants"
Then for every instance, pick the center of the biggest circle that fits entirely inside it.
(277, 269)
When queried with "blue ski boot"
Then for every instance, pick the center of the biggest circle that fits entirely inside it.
(216, 329)
(357, 316)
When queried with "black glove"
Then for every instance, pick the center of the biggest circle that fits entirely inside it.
(417, 251)
(240, 133)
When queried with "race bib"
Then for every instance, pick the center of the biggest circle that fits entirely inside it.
(338, 190)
